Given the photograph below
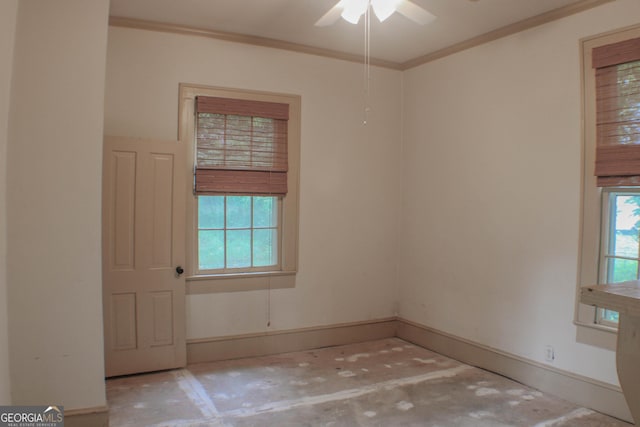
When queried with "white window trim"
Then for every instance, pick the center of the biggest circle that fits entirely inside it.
(198, 272)
(592, 211)
(606, 229)
(225, 282)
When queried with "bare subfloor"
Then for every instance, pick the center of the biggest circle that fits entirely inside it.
(380, 383)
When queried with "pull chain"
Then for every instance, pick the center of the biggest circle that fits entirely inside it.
(269, 302)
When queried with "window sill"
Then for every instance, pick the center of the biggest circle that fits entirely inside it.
(597, 326)
(238, 282)
(596, 335)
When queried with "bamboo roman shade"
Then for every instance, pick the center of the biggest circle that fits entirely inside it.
(618, 113)
(241, 146)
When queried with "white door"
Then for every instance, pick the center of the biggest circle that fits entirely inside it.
(143, 208)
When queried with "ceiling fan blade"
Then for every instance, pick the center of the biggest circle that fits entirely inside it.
(332, 16)
(384, 8)
(415, 12)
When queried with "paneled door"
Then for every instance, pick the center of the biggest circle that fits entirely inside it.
(143, 221)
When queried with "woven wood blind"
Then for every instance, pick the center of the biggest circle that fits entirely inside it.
(618, 113)
(241, 146)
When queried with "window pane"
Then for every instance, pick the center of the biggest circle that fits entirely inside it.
(210, 249)
(211, 212)
(251, 237)
(625, 227)
(238, 248)
(238, 211)
(265, 212)
(264, 247)
(609, 315)
(238, 142)
(211, 135)
(621, 270)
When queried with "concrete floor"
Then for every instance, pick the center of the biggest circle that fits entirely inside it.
(379, 383)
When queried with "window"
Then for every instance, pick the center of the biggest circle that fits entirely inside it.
(238, 232)
(241, 151)
(611, 168)
(620, 255)
(242, 221)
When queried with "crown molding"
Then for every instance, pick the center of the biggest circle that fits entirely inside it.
(140, 24)
(508, 30)
(544, 18)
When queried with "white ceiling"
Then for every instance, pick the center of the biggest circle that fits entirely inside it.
(397, 39)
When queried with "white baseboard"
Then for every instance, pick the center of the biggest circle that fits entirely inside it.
(584, 391)
(252, 345)
(587, 392)
(88, 417)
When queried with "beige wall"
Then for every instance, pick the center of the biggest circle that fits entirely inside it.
(490, 168)
(53, 203)
(491, 181)
(8, 11)
(349, 197)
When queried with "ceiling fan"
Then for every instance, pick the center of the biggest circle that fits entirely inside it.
(352, 10)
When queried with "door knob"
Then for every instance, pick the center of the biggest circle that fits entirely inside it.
(179, 270)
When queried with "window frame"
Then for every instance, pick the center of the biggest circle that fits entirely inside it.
(241, 270)
(605, 238)
(252, 279)
(592, 217)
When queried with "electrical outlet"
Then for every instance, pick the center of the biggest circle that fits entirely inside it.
(549, 354)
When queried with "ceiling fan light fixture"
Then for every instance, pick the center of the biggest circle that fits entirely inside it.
(384, 8)
(354, 9)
